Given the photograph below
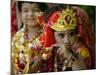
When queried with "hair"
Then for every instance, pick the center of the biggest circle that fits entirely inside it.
(42, 6)
(49, 12)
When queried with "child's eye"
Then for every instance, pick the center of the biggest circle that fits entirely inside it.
(35, 10)
(61, 35)
(71, 34)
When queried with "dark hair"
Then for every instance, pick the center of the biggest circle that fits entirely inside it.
(49, 12)
(42, 6)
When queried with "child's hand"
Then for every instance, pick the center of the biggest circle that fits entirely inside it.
(62, 50)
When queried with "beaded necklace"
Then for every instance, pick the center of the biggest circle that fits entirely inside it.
(29, 49)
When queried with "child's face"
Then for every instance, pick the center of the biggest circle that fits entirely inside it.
(65, 37)
(29, 13)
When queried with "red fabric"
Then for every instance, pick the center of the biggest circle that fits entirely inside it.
(49, 37)
(40, 20)
(53, 18)
(13, 20)
(48, 33)
(47, 40)
(86, 32)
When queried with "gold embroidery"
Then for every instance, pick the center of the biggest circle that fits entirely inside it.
(66, 21)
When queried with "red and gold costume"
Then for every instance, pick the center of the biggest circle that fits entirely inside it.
(24, 52)
(78, 19)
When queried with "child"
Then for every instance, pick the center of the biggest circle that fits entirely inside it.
(72, 45)
(26, 44)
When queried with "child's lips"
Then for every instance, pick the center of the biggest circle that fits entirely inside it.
(30, 19)
(67, 45)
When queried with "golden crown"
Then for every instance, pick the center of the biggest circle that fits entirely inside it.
(66, 21)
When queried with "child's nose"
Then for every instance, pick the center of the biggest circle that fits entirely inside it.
(66, 39)
(30, 13)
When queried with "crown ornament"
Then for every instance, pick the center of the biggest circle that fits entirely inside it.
(66, 21)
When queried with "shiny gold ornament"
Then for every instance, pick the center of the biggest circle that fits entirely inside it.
(66, 21)
(22, 50)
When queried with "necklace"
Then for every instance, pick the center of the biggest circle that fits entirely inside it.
(34, 44)
(25, 48)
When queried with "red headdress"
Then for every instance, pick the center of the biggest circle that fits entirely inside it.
(48, 37)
